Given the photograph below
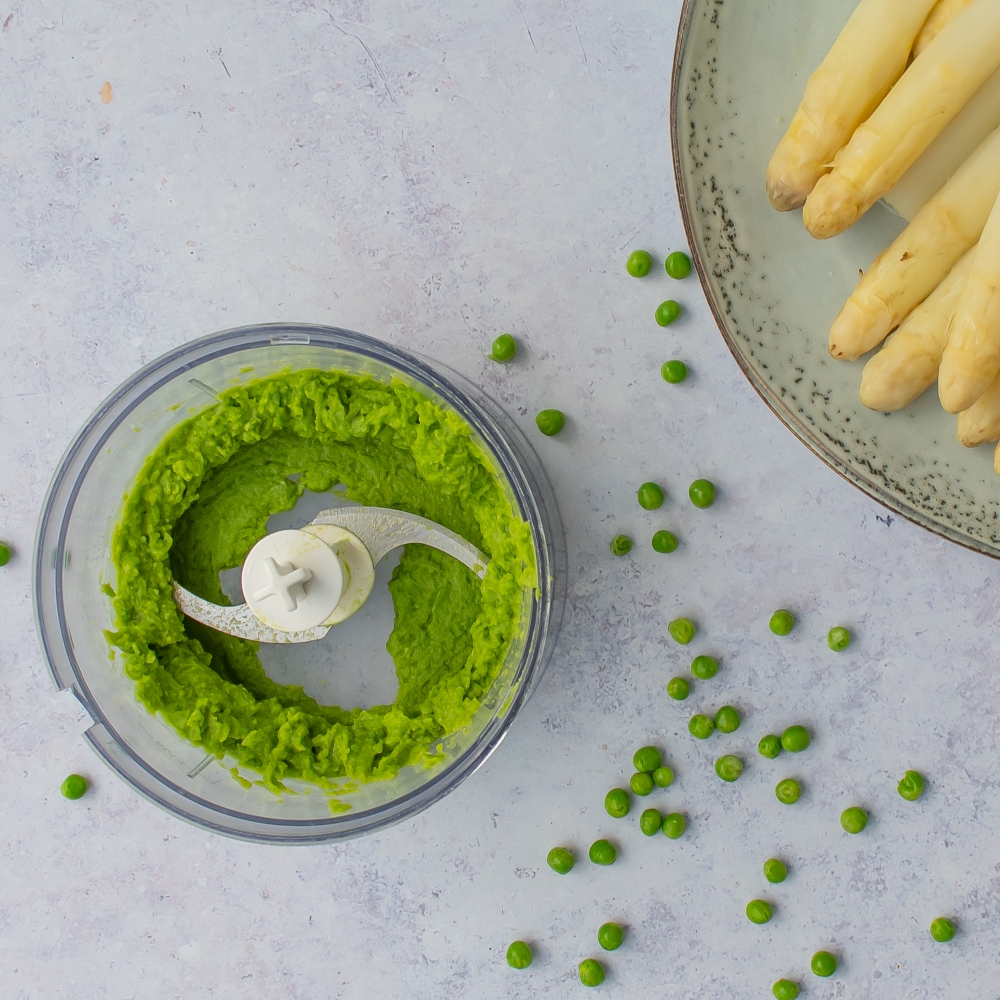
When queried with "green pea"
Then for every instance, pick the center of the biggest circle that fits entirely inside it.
(729, 768)
(74, 787)
(664, 541)
(678, 688)
(667, 312)
(638, 264)
(4, 554)
(854, 820)
(911, 786)
(591, 972)
(504, 348)
(769, 746)
(650, 496)
(616, 803)
(788, 791)
(621, 545)
(518, 955)
(682, 630)
(727, 719)
(775, 870)
(674, 825)
(641, 783)
(823, 963)
(550, 422)
(785, 989)
(560, 860)
(663, 776)
(759, 911)
(795, 739)
(782, 622)
(650, 822)
(702, 493)
(838, 639)
(674, 371)
(646, 759)
(701, 726)
(610, 936)
(942, 929)
(602, 852)
(704, 667)
(678, 264)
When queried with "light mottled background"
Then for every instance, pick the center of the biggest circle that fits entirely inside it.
(434, 173)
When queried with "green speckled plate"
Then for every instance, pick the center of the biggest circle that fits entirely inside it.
(739, 72)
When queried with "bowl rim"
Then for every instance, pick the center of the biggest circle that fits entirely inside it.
(891, 500)
(491, 426)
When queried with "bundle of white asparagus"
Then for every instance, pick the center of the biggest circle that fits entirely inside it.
(906, 106)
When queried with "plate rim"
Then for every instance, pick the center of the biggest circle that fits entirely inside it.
(797, 427)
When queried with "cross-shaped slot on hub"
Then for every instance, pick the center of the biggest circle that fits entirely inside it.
(286, 583)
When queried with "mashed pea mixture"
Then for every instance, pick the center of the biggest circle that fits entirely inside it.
(202, 501)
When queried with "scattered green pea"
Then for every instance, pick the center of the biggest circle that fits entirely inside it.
(650, 496)
(646, 759)
(518, 955)
(550, 422)
(701, 726)
(782, 622)
(702, 493)
(602, 852)
(664, 541)
(674, 825)
(4, 554)
(729, 768)
(641, 783)
(74, 787)
(823, 963)
(795, 739)
(678, 688)
(678, 264)
(759, 911)
(769, 746)
(610, 936)
(704, 667)
(838, 639)
(942, 929)
(911, 786)
(667, 312)
(785, 989)
(775, 870)
(674, 371)
(560, 860)
(504, 348)
(650, 822)
(854, 820)
(621, 545)
(638, 264)
(788, 791)
(616, 803)
(682, 630)
(727, 719)
(591, 972)
(663, 776)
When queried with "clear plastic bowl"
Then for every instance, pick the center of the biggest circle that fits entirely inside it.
(72, 561)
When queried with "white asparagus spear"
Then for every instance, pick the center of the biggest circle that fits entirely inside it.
(908, 362)
(981, 421)
(918, 259)
(942, 13)
(865, 61)
(971, 357)
(928, 95)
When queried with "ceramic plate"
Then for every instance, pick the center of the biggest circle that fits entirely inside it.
(739, 72)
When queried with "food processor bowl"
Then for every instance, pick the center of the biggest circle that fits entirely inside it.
(73, 562)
